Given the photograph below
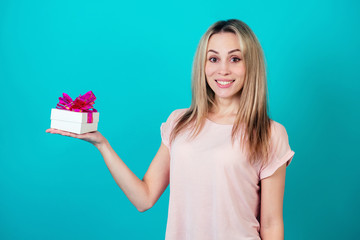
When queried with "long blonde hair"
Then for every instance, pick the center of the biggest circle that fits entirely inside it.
(253, 109)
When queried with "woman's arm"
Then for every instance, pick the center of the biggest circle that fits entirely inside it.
(271, 210)
(143, 194)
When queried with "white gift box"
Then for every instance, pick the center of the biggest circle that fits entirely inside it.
(75, 122)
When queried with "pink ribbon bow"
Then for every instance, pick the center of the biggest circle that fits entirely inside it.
(82, 103)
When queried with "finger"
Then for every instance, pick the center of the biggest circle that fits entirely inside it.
(51, 130)
(57, 131)
(61, 132)
(83, 136)
(68, 134)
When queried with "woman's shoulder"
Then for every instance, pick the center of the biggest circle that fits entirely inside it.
(178, 113)
(180, 110)
(275, 125)
(277, 130)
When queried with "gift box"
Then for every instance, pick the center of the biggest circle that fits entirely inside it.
(75, 122)
(76, 116)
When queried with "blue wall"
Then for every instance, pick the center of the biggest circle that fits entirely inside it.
(136, 58)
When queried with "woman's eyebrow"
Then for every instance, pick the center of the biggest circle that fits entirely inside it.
(234, 50)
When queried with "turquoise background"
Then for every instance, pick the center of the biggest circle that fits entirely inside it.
(137, 57)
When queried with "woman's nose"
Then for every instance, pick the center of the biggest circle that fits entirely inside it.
(224, 68)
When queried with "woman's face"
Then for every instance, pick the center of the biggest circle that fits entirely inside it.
(225, 67)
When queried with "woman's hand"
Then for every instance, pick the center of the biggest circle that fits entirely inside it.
(95, 138)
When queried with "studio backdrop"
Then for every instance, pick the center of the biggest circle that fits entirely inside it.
(137, 57)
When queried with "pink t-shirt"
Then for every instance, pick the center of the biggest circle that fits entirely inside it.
(214, 191)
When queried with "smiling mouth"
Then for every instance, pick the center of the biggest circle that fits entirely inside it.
(224, 82)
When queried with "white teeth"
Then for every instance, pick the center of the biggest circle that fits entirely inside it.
(224, 83)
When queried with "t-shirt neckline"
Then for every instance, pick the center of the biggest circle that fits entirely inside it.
(221, 124)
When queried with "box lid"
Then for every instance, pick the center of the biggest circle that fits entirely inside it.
(70, 116)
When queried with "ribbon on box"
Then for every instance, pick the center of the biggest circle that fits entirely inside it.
(82, 103)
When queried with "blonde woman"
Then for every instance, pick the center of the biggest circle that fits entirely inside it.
(224, 158)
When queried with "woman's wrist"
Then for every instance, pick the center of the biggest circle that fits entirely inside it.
(102, 145)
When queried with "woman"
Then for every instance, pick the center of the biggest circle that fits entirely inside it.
(224, 157)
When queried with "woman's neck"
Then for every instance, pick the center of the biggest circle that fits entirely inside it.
(225, 107)
(224, 111)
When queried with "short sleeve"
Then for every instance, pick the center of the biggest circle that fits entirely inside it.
(280, 151)
(165, 134)
(166, 127)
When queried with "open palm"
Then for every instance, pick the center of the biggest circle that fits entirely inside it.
(95, 138)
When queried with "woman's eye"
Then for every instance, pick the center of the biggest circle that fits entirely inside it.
(213, 59)
(235, 59)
